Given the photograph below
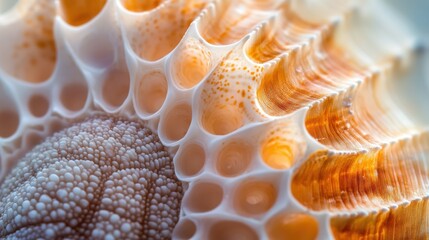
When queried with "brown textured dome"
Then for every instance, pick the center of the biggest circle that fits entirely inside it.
(103, 178)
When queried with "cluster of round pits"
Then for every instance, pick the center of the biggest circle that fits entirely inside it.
(230, 179)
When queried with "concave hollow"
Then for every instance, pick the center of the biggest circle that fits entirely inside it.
(231, 230)
(191, 63)
(191, 160)
(151, 92)
(221, 119)
(30, 53)
(116, 87)
(73, 96)
(9, 122)
(233, 158)
(283, 146)
(231, 21)
(379, 178)
(97, 50)
(32, 139)
(78, 12)
(176, 121)
(407, 221)
(38, 105)
(185, 229)
(154, 35)
(141, 5)
(254, 197)
(292, 225)
(203, 197)
(277, 154)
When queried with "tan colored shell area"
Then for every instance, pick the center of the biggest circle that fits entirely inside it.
(282, 118)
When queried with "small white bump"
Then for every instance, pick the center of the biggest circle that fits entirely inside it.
(49, 233)
(126, 227)
(62, 194)
(109, 237)
(45, 198)
(68, 177)
(33, 214)
(25, 205)
(54, 178)
(114, 218)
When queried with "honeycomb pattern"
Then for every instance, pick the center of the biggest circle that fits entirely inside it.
(257, 100)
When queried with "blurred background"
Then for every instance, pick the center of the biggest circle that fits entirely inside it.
(417, 11)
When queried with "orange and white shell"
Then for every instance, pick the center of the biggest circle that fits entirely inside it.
(284, 118)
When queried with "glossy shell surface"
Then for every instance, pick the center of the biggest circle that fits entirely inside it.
(241, 119)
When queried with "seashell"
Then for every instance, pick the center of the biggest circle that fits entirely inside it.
(213, 119)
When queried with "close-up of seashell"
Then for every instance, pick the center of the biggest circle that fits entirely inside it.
(214, 119)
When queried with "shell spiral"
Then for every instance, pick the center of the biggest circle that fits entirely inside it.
(212, 119)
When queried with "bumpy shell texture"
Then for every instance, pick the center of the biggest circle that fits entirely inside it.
(94, 179)
(212, 119)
